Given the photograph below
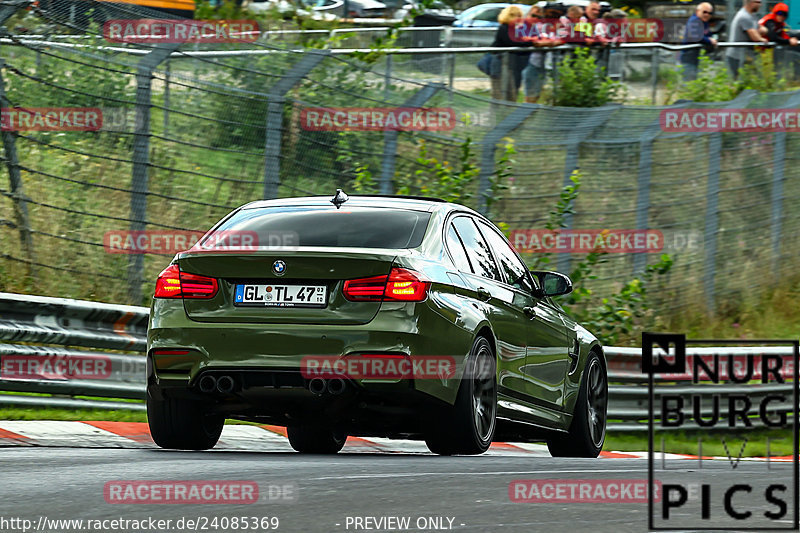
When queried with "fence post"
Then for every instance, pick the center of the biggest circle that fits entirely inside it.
(712, 205)
(489, 142)
(141, 159)
(17, 194)
(7, 9)
(275, 100)
(590, 120)
(643, 198)
(452, 77)
(711, 218)
(778, 177)
(654, 74)
(390, 136)
(387, 77)
(643, 186)
(166, 98)
(570, 165)
(506, 80)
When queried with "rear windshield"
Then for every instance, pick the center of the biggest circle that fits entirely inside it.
(327, 226)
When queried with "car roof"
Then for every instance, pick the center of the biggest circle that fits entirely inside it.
(493, 5)
(355, 200)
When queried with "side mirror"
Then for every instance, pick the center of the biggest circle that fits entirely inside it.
(553, 283)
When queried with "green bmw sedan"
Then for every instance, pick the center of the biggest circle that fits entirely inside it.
(396, 317)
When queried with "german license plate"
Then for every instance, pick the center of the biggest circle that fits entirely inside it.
(281, 295)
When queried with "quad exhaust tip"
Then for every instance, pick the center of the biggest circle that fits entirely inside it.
(225, 384)
(317, 386)
(222, 384)
(336, 386)
(208, 383)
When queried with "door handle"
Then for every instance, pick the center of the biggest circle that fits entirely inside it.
(530, 312)
(483, 294)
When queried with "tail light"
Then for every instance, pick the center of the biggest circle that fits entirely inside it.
(172, 283)
(401, 285)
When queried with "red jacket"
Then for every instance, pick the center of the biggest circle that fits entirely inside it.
(776, 31)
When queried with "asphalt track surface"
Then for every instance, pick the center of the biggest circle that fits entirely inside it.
(68, 483)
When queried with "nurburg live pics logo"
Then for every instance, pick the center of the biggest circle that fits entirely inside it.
(732, 389)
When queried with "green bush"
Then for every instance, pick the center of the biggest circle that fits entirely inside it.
(580, 83)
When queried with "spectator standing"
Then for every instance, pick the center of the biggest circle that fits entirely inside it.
(571, 27)
(535, 73)
(508, 18)
(744, 29)
(773, 26)
(597, 32)
(697, 31)
(612, 60)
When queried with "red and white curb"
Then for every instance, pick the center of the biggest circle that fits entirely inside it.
(265, 438)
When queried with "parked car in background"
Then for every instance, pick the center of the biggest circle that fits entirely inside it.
(323, 9)
(436, 10)
(483, 15)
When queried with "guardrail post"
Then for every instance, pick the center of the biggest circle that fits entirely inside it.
(390, 137)
(489, 142)
(15, 178)
(141, 159)
(275, 101)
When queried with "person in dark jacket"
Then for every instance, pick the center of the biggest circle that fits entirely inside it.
(773, 26)
(697, 32)
(509, 18)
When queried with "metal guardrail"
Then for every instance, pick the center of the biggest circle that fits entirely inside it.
(80, 364)
(57, 370)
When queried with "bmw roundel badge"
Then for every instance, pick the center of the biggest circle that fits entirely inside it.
(279, 267)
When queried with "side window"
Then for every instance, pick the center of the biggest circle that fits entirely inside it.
(515, 270)
(457, 252)
(478, 252)
(490, 15)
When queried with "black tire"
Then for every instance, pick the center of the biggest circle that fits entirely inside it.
(467, 427)
(587, 432)
(182, 424)
(309, 439)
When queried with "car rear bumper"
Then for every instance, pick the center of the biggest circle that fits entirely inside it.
(265, 360)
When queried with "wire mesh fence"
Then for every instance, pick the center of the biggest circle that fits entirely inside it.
(190, 131)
